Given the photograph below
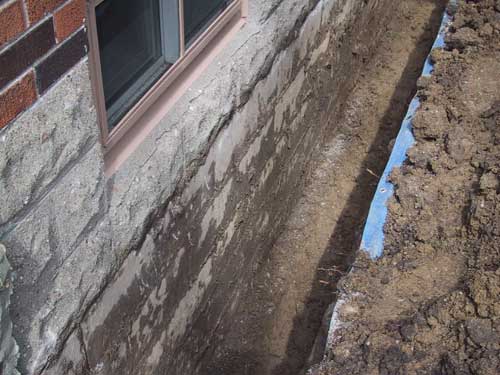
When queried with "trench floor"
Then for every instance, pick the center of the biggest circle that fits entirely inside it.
(284, 316)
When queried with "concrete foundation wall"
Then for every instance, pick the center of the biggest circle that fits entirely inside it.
(140, 273)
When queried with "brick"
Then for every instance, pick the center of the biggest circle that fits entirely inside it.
(11, 22)
(69, 18)
(24, 52)
(61, 60)
(37, 9)
(17, 98)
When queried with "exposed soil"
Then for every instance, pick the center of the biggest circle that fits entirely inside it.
(431, 304)
(279, 328)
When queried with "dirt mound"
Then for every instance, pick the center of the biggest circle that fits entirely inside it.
(431, 305)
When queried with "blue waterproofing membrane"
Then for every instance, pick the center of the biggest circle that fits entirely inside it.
(373, 235)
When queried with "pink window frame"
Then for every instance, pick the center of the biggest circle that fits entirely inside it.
(146, 113)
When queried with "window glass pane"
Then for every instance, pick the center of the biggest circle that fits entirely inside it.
(198, 14)
(132, 52)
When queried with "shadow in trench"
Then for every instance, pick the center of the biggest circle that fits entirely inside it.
(345, 239)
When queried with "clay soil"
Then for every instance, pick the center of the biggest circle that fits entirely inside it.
(282, 322)
(431, 304)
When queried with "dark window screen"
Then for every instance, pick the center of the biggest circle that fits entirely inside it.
(131, 51)
(198, 14)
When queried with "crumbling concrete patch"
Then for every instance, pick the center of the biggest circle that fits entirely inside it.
(9, 351)
(63, 255)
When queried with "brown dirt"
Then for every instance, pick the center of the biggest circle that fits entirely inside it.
(431, 305)
(282, 312)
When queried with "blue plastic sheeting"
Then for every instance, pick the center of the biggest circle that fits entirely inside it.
(438, 43)
(373, 235)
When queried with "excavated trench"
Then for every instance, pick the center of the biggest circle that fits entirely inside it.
(281, 326)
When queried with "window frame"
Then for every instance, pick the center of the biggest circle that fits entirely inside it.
(235, 13)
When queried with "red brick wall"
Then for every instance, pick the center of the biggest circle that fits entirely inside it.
(40, 40)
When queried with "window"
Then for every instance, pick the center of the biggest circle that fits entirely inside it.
(134, 51)
(139, 47)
